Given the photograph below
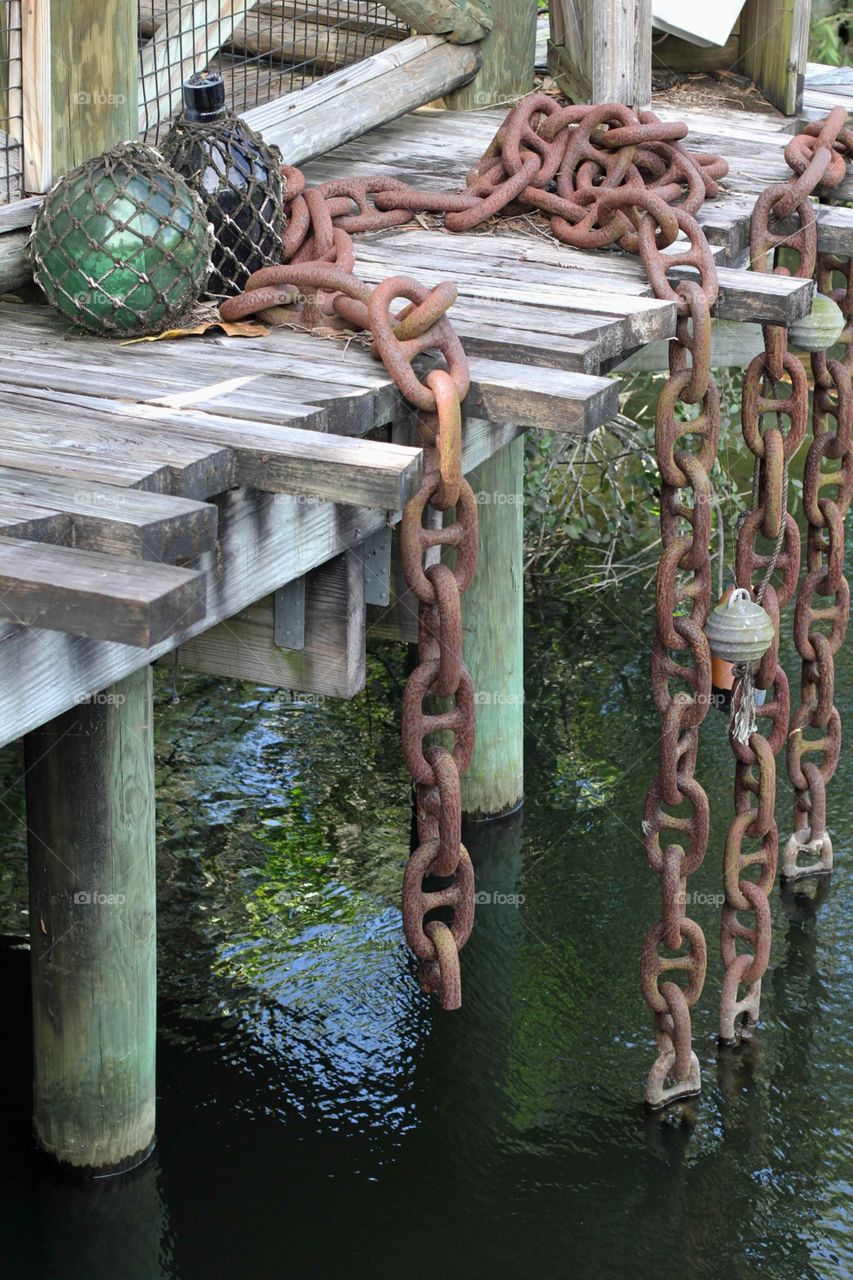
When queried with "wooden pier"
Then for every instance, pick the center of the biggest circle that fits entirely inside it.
(233, 501)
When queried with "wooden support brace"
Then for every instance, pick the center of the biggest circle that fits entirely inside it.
(90, 823)
(330, 657)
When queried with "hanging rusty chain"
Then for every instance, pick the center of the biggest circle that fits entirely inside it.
(606, 176)
(775, 387)
(616, 176)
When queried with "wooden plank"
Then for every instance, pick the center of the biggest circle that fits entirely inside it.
(314, 463)
(118, 521)
(331, 662)
(744, 295)
(621, 56)
(94, 595)
(92, 847)
(570, 72)
(93, 75)
(264, 540)
(349, 102)
(274, 458)
(34, 523)
(508, 54)
(493, 639)
(680, 57)
(114, 449)
(551, 398)
(19, 213)
(642, 319)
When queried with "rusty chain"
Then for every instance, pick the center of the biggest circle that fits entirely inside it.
(768, 563)
(605, 176)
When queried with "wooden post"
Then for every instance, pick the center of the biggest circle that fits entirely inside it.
(493, 638)
(509, 51)
(460, 21)
(90, 820)
(774, 45)
(620, 67)
(80, 83)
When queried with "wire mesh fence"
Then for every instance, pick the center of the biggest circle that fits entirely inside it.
(11, 102)
(264, 49)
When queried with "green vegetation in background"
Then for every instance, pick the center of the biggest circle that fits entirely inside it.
(831, 33)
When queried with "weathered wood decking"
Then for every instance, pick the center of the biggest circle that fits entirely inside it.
(149, 492)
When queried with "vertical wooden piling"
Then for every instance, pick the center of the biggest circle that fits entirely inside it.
(493, 638)
(81, 68)
(509, 51)
(620, 68)
(774, 49)
(90, 819)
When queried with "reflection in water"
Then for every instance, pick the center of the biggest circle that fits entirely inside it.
(318, 1116)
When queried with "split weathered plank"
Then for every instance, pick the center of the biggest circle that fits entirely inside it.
(314, 463)
(117, 521)
(331, 662)
(99, 596)
(264, 540)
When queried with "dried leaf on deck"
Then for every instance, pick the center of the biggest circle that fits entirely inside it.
(239, 329)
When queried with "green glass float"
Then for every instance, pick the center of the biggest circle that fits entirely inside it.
(121, 244)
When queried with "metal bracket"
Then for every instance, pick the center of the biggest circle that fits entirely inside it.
(375, 552)
(289, 615)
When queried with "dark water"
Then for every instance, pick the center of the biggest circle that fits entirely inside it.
(319, 1117)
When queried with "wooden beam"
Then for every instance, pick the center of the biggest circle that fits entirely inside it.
(350, 102)
(99, 596)
(90, 828)
(460, 21)
(774, 40)
(186, 43)
(93, 79)
(508, 53)
(331, 662)
(620, 66)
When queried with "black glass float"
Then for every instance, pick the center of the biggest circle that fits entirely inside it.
(238, 177)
